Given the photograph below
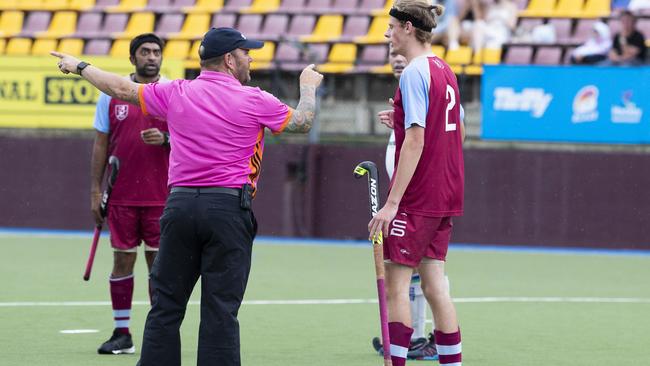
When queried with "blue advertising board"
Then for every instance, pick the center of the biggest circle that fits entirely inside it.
(566, 103)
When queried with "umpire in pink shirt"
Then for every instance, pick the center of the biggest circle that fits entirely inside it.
(216, 127)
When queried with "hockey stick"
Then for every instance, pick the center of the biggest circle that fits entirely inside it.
(114, 163)
(369, 168)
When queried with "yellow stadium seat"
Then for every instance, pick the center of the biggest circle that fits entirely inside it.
(63, 24)
(81, 5)
(29, 4)
(42, 47)
(55, 5)
(263, 57)
(127, 6)
(8, 4)
(386, 69)
(568, 8)
(262, 7)
(458, 58)
(486, 56)
(120, 48)
(328, 28)
(385, 9)
(177, 49)
(11, 23)
(138, 23)
(194, 27)
(3, 45)
(597, 9)
(18, 47)
(376, 31)
(539, 8)
(205, 6)
(71, 46)
(341, 58)
(194, 51)
(438, 50)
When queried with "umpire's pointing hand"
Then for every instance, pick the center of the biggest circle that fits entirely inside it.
(310, 77)
(67, 64)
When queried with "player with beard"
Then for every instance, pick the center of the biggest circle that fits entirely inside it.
(140, 191)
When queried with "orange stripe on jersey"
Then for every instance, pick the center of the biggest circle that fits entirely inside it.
(285, 123)
(141, 100)
(255, 163)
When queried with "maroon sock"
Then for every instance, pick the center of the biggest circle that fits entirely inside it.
(121, 297)
(400, 338)
(449, 347)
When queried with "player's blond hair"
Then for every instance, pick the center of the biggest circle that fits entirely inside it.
(424, 11)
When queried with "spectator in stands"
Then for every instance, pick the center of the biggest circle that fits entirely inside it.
(629, 44)
(596, 48)
(493, 24)
(448, 29)
(636, 5)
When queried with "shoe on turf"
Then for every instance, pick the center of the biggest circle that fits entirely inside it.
(119, 343)
(427, 352)
(414, 345)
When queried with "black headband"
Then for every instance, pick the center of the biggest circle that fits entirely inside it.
(144, 38)
(406, 17)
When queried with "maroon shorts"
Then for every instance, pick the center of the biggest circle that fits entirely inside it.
(413, 237)
(131, 225)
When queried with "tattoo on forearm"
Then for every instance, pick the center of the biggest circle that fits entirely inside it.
(303, 115)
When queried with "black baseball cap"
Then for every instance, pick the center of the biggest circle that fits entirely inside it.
(219, 41)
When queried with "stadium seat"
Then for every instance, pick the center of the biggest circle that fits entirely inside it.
(18, 47)
(138, 23)
(63, 24)
(236, 5)
(71, 46)
(176, 49)
(567, 55)
(54, 5)
(160, 6)
(120, 48)
(341, 59)
(379, 10)
(97, 47)
(42, 47)
(376, 32)
(316, 7)
(486, 56)
(584, 28)
(291, 6)
(528, 24)
(28, 5)
(275, 26)
(373, 59)
(250, 24)
(643, 25)
(81, 5)
(194, 27)
(539, 9)
(261, 7)
(204, 6)
(548, 56)
(127, 6)
(89, 25)
(102, 5)
(568, 8)
(458, 58)
(37, 21)
(263, 57)
(596, 9)
(438, 50)
(169, 23)
(518, 55)
(301, 25)
(344, 7)
(3, 45)
(355, 26)
(11, 23)
(8, 5)
(315, 53)
(328, 28)
(562, 29)
(178, 6)
(224, 20)
(194, 51)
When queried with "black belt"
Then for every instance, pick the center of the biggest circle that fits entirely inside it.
(230, 191)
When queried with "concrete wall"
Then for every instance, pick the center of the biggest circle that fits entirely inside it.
(518, 197)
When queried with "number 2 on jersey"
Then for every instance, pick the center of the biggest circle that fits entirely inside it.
(451, 102)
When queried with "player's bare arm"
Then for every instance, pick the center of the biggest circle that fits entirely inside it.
(111, 84)
(408, 161)
(302, 117)
(97, 168)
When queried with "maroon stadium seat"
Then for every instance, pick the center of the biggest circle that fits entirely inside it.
(317, 6)
(97, 47)
(114, 23)
(368, 6)
(567, 55)
(372, 56)
(529, 23)
(88, 25)
(37, 21)
(224, 20)
(103, 4)
(159, 6)
(355, 26)
(562, 29)
(344, 7)
(236, 5)
(291, 6)
(274, 26)
(583, 30)
(518, 55)
(169, 23)
(178, 5)
(288, 56)
(301, 25)
(250, 24)
(548, 56)
(643, 25)
(316, 53)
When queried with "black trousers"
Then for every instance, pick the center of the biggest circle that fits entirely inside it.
(210, 236)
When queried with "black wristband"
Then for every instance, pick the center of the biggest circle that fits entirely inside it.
(81, 66)
(165, 138)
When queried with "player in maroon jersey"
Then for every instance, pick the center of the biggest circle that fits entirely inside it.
(142, 145)
(427, 187)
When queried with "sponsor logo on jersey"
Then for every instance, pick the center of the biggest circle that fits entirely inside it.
(585, 105)
(121, 111)
(533, 100)
(628, 112)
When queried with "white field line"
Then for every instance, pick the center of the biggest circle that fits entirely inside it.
(601, 300)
